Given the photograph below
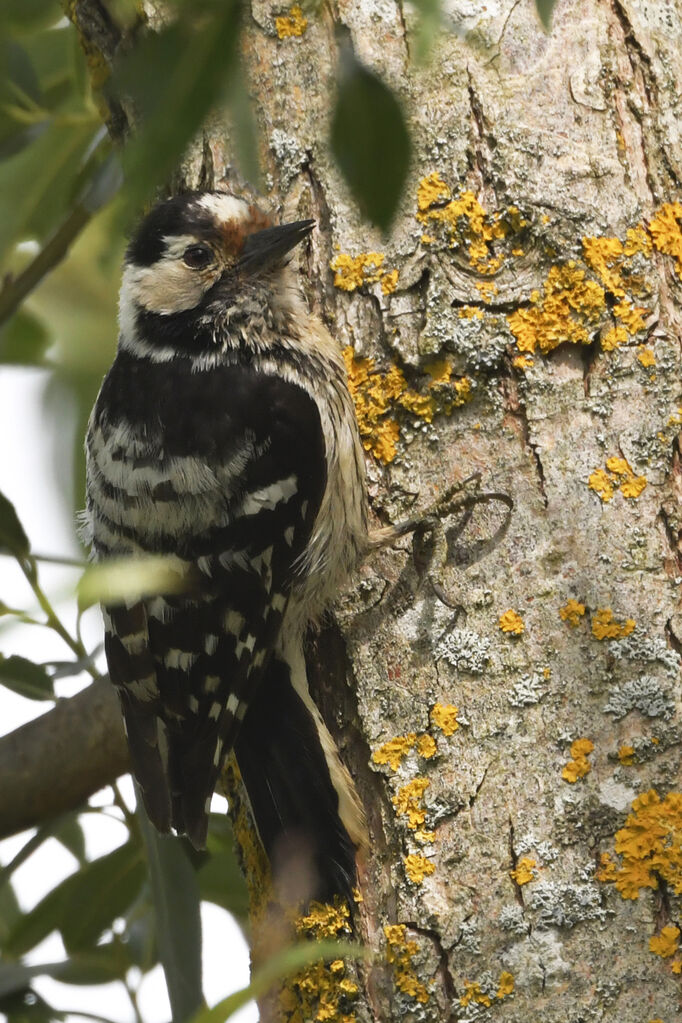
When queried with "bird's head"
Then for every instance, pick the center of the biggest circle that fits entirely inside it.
(196, 252)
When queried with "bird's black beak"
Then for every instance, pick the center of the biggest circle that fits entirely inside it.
(266, 248)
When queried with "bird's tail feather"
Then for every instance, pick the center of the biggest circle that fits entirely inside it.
(286, 759)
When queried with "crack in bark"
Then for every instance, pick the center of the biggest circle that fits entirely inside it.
(479, 160)
(518, 409)
(644, 76)
(449, 986)
(514, 861)
(672, 537)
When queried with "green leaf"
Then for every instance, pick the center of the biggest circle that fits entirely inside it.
(545, 9)
(36, 185)
(222, 882)
(102, 891)
(286, 963)
(84, 903)
(26, 678)
(27, 15)
(114, 581)
(102, 965)
(370, 141)
(174, 77)
(175, 894)
(10, 910)
(23, 340)
(13, 539)
(69, 832)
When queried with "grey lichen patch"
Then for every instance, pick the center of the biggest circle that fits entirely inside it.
(537, 961)
(289, 153)
(527, 690)
(512, 919)
(465, 650)
(562, 904)
(647, 649)
(468, 937)
(645, 694)
(585, 817)
(544, 850)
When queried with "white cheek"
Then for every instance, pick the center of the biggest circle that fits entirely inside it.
(166, 287)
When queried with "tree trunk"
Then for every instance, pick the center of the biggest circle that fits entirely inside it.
(510, 715)
(525, 848)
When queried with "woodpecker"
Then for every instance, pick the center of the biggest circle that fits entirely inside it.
(224, 436)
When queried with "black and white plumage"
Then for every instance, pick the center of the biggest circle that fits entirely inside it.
(224, 435)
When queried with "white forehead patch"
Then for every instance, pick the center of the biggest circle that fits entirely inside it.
(224, 207)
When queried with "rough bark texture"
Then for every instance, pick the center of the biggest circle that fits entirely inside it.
(538, 344)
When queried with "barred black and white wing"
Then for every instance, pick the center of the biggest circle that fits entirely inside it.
(224, 469)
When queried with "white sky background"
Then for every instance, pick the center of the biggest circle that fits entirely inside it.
(29, 479)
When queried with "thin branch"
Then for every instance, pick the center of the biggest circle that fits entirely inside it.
(16, 289)
(56, 762)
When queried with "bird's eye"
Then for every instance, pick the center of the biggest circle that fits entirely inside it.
(196, 257)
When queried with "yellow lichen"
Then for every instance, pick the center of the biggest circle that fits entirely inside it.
(324, 920)
(617, 473)
(321, 991)
(604, 256)
(465, 221)
(608, 870)
(512, 622)
(631, 316)
(379, 395)
(444, 716)
(389, 282)
(626, 755)
(579, 765)
(602, 483)
(666, 232)
(426, 746)
(604, 626)
(407, 802)
(505, 984)
(351, 272)
(432, 190)
(394, 751)
(292, 24)
(417, 867)
(523, 872)
(523, 362)
(569, 309)
(487, 289)
(633, 486)
(666, 943)
(614, 338)
(650, 845)
(399, 954)
(470, 312)
(646, 357)
(425, 837)
(255, 865)
(474, 993)
(572, 612)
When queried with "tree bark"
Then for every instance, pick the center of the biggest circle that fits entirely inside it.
(511, 717)
(486, 867)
